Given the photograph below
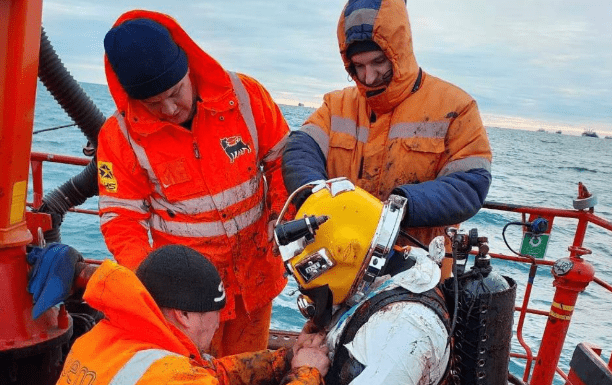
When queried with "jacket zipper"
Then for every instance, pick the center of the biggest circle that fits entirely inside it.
(196, 151)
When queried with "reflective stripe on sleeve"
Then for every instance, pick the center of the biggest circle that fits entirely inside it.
(133, 370)
(419, 130)
(466, 164)
(107, 217)
(244, 103)
(136, 205)
(348, 126)
(276, 151)
(318, 135)
(207, 229)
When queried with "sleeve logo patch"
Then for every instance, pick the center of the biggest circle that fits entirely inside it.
(107, 178)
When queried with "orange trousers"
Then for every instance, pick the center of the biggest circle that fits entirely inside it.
(245, 333)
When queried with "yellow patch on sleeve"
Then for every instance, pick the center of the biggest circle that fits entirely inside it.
(107, 178)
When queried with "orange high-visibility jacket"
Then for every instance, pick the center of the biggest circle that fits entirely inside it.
(419, 137)
(135, 345)
(213, 188)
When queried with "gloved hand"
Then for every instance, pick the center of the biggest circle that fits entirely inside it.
(52, 275)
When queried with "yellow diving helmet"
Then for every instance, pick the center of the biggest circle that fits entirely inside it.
(341, 238)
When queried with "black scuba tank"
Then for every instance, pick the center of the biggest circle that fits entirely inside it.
(484, 318)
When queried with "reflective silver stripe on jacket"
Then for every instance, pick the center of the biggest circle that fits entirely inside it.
(133, 370)
(318, 135)
(207, 229)
(348, 126)
(244, 103)
(136, 205)
(140, 153)
(419, 130)
(276, 151)
(107, 217)
(466, 164)
(219, 201)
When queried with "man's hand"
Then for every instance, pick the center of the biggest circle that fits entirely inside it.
(271, 230)
(311, 349)
(271, 240)
(313, 353)
(309, 331)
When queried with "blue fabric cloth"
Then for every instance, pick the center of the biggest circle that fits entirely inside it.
(51, 276)
(447, 200)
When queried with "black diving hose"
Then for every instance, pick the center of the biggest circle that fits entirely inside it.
(71, 97)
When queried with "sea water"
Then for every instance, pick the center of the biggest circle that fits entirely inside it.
(529, 168)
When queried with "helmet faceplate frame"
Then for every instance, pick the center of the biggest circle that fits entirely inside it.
(384, 238)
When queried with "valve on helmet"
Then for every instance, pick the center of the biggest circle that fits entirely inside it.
(306, 306)
(291, 231)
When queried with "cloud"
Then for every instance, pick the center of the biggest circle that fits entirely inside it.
(537, 58)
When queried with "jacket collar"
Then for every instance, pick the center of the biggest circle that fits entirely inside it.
(127, 305)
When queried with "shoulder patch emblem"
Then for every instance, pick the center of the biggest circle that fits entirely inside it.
(234, 147)
(107, 178)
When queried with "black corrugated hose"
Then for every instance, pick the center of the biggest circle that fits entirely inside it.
(71, 97)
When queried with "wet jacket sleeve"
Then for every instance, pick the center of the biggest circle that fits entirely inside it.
(303, 161)
(303, 158)
(446, 200)
(124, 197)
(463, 182)
(264, 367)
(272, 130)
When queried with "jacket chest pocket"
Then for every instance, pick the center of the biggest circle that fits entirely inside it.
(179, 179)
(414, 160)
(343, 157)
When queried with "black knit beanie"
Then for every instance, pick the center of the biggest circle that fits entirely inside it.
(361, 46)
(178, 277)
(144, 57)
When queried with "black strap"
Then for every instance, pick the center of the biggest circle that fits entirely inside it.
(417, 83)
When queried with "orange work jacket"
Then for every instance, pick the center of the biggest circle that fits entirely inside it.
(419, 129)
(135, 345)
(213, 188)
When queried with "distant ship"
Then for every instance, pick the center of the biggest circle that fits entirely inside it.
(559, 132)
(590, 133)
(541, 130)
(300, 104)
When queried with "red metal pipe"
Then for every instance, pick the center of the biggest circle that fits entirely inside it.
(54, 158)
(37, 182)
(519, 329)
(20, 23)
(572, 276)
(19, 45)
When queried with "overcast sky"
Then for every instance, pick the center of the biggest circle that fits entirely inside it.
(529, 63)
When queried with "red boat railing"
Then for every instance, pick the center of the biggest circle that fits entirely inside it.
(568, 283)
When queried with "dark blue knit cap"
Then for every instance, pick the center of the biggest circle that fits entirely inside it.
(145, 58)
